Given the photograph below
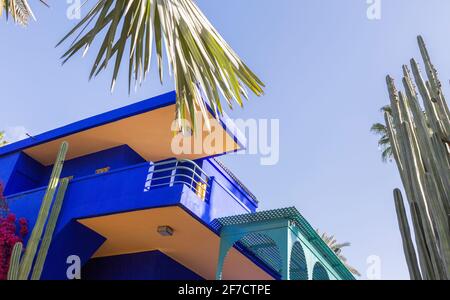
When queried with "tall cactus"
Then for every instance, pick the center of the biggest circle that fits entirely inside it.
(49, 229)
(14, 263)
(420, 139)
(408, 246)
(35, 238)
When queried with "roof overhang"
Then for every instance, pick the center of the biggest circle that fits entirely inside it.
(192, 244)
(147, 127)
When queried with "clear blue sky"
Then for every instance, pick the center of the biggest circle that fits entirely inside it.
(324, 64)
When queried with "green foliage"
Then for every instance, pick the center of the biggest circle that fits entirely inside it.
(337, 248)
(19, 10)
(203, 64)
(2, 139)
(383, 143)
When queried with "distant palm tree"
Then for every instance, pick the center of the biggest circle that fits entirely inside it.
(204, 66)
(384, 143)
(2, 140)
(337, 249)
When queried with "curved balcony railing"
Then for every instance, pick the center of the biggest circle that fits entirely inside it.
(171, 172)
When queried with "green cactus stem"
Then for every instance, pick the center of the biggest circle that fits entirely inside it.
(410, 253)
(49, 229)
(14, 263)
(33, 242)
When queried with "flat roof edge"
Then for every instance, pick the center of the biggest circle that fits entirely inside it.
(92, 122)
(118, 114)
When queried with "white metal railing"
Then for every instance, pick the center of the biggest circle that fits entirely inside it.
(171, 172)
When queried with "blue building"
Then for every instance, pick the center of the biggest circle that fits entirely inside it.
(134, 210)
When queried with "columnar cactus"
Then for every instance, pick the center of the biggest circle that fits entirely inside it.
(26, 262)
(14, 264)
(408, 245)
(420, 140)
(49, 229)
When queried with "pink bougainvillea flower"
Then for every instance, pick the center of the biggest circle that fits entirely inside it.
(8, 238)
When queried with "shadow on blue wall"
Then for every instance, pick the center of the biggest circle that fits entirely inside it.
(73, 239)
(152, 265)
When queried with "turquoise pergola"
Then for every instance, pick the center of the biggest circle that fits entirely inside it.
(283, 241)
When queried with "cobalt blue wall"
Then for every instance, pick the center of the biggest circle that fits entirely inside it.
(152, 265)
(7, 164)
(27, 174)
(213, 169)
(94, 195)
(74, 239)
(19, 172)
(115, 158)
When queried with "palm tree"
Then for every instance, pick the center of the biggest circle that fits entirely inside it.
(383, 143)
(2, 141)
(20, 10)
(337, 249)
(203, 65)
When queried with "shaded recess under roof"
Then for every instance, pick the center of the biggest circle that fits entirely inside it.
(145, 126)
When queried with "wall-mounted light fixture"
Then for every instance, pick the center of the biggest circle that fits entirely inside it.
(165, 230)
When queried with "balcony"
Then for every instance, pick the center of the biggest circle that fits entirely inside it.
(118, 212)
(142, 186)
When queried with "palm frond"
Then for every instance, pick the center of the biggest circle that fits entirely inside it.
(2, 139)
(386, 108)
(342, 245)
(383, 143)
(202, 63)
(378, 128)
(337, 249)
(386, 154)
(19, 10)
